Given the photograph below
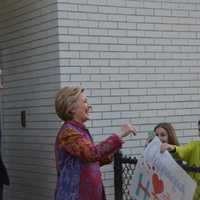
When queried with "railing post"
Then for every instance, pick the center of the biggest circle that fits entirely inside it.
(118, 182)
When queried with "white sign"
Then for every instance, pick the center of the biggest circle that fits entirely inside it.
(158, 177)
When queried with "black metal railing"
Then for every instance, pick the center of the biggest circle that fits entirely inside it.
(124, 168)
(187, 168)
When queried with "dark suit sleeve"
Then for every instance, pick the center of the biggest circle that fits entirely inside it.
(4, 179)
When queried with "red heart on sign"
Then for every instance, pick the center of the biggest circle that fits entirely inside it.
(158, 185)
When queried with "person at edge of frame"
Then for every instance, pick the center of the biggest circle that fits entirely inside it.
(4, 179)
(190, 153)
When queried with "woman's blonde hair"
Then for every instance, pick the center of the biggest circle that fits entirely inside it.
(65, 101)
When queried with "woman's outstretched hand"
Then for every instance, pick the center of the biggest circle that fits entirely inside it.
(127, 129)
(166, 146)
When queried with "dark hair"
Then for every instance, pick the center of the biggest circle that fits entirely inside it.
(199, 122)
(172, 139)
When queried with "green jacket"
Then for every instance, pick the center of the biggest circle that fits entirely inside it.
(191, 154)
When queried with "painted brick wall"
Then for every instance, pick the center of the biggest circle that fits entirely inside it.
(139, 61)
(31, 75)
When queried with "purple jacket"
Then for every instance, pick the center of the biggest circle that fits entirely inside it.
(78, 162)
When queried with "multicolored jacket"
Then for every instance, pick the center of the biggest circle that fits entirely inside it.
(78, 162)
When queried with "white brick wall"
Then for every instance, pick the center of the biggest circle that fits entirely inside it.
(31, 75)
(138, 60)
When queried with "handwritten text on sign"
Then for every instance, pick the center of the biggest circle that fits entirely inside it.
(158, 176)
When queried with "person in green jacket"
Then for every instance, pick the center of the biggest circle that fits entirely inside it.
(190, 153)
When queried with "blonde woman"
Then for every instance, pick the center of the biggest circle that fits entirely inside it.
(78, 159)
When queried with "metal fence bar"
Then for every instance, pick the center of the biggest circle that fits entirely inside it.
(123, 170)
(118, 176)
